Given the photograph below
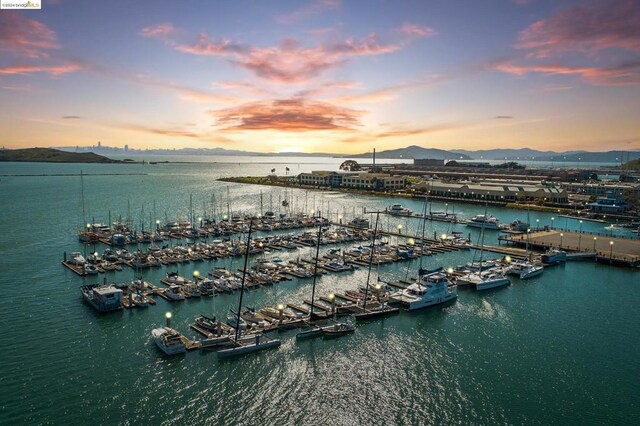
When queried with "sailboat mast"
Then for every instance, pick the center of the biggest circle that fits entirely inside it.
(244, 274)
(315, 272)
(482, 235)
(84, 213)
(424, 225)
(373, 247)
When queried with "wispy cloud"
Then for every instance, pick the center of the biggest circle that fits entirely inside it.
(416, 30)
(55, 70)
(25, 37)
(402, 133)
(172, 132)
(618, 75)
(308, 10)
(289, 115)
(590, 28)
(503, 117)
(160, 31)
(71, 117)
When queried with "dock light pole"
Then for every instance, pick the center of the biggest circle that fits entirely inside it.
(340, 219)
(507, 259)
(400, 228)
(443, 237)
(411, 241)
(446, 207)
(594, 243)
(580, 237)
(552, 219)
(168, 317)
(157, 225)
(280, 312)
(537, 224)
(225, 217)
(196, 275)
(332, 297)
(561, 235)
(611, 252)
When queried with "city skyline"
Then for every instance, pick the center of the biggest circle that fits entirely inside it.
(323, 75)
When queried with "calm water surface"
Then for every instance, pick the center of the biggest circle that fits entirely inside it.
(562, 348)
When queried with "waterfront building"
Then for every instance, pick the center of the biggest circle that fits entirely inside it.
(321, 178)
(612, 204)
(504, 191)
(373, 181)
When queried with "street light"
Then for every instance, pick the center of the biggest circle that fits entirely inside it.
(507, 259)
(611, 252)
(340, 219)
(168, 317)
(552, 219)
(537, 224)
(411, 241)
(580, 236)
(443, 237)
(561, 235)
(400, 228)
(332, 297)
(594, 243)
(196, 275)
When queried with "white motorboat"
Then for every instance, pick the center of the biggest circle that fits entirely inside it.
(103, 298)
(360, 223)
(484, 221)
(77, 259)
(168, 340)
(398, 210)
(491, 281)
(429, 290)
(554, 256)
(174, 293)
(524, 269)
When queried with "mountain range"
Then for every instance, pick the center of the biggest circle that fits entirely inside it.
(409, 153)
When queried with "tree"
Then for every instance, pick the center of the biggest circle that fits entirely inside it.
(350, 166)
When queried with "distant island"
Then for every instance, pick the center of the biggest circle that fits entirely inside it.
(50, 155)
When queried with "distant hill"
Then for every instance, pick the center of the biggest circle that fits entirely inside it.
(508, 153)
(631, 165)
(595, 157)
(50, 155)
(412, 152)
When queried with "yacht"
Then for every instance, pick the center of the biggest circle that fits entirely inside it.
(525, 269)
(77, 259)
(168, 340)
(103, 298)
(398, 210)
(492, 280)
(484, 221)
(554, 256)
(174, 293)
(174, 278)
(360, 223)
(431, 289)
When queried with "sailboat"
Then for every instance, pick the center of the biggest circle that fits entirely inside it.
(382, 309)
(247, 344)
(491, 280)
(431, 288)
(320, 327)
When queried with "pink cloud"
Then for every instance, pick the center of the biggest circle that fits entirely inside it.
(619, 75)
(416, 30)
(606, 24)
(308, 10)
(49, 69)
(288, 115)
(288, 62)
(24, 36)
(158, 31)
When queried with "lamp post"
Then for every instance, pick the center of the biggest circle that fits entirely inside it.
(446, 208)
(594, 243)
(280, 312)
(340, 219)
(537, 224)
(157, 225)
(443, 237)
(611, 252)
(196, 276)
(168, 317)
(580, 237)
(552, 219)
(332, 297)
(400, 228)
(561, 235)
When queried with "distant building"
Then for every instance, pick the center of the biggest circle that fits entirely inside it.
(126, 148)
(427, 162)
(495, 191)
(373, 181)
(609, 204)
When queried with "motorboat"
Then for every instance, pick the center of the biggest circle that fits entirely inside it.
(360, 223)
(524, 269)
(236, 322)
(484, 221)
(554, 256)
(77, 259)
(103, 298)
(398, 210)
(173, 293)
(429, 290)
(168, 340)
(490, 281)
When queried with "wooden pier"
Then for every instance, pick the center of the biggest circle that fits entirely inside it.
(612, 250)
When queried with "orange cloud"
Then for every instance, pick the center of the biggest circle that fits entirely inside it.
(25, 37)
(50, 69)
(289, 115)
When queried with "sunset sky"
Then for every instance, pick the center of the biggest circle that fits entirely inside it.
(322, 76)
